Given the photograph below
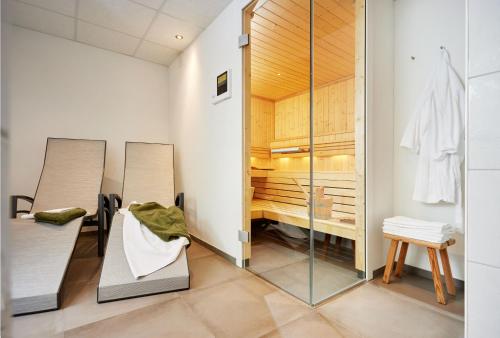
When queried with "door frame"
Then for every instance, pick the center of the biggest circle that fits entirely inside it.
(360, 133)
(247, 122)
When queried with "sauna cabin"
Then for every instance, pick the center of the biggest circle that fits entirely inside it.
(283, 157)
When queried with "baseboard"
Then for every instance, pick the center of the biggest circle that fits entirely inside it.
(214, 249)
(413, 270)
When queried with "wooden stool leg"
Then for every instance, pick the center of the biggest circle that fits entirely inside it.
(436, 275)
(391, 254)
(326, 243)
(401, 259)
(448, 277)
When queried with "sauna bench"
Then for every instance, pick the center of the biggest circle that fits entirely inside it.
(297, 215)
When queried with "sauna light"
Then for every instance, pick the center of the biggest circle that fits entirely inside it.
(278, 74)
(286, 150)
(179, 37)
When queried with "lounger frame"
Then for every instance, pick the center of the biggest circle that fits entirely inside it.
(103, 209)
(115, 202)
(103, 217)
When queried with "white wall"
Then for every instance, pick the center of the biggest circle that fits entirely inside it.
(60, 88)
(209, 138)
(379, 122)
(483, 230)
(421, 27)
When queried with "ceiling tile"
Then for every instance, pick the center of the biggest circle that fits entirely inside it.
(156, 4)
(121, 15)
(105, 38)
(66, 7)
(41, 20)
(198, 12)
(165, 28)
(156, 53)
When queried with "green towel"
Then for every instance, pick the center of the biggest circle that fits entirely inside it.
(59, 218)
(166, 223)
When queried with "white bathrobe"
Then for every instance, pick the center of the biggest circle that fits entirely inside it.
(436, 134)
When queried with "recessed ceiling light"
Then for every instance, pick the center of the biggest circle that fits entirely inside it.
(179, 37)
(278, 74)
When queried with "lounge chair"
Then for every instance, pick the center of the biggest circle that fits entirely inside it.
(148, 177)
(40, 252)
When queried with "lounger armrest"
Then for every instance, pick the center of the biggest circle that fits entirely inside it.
(103, 219)
(103, 207)
(115, 202)
(179, 201)
(13, 205)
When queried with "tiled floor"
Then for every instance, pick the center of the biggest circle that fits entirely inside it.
(284, 261)
(225, 301)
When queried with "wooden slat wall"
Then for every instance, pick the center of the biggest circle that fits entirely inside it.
(337, 163)
(291, 119)
(262, 127)
(279, 186)
(285, 123)
(334, 112)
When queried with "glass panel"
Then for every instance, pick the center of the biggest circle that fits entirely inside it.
(338, 241)
(280, 72)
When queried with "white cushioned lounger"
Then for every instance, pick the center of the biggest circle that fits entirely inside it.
(117, 282)
(148, 177)
(38, 263)
(39, 253)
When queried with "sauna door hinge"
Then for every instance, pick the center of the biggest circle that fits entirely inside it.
(243, 40)
(243, 236)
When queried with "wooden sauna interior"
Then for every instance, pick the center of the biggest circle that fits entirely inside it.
(279, 62)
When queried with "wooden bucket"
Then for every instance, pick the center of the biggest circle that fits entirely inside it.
(322, 204)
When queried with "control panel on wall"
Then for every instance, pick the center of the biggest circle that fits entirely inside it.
(222, 89)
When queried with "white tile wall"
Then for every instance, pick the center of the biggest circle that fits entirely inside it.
(483, 226)
(484, 216)
(484, 30)
(484, 123)
(483, 302)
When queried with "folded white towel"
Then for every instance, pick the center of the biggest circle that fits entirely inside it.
(416, 223)
(32, 216)
(420, 235)
(146, 252)
(436, 232)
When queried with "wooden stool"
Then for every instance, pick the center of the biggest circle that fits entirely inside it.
(431, 251)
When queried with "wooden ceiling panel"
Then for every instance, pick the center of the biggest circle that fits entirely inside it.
(280, 45)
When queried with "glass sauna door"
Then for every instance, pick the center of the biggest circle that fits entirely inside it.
(303, 190)
(337, 151)
(280, 82)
